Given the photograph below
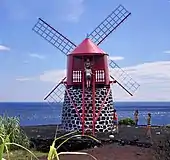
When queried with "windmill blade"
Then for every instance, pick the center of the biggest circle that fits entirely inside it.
(122, 78)
(105, 28)
(54, 37)
(56, 95)
(55, 99)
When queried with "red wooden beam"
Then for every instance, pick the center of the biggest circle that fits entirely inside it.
(83, 104)
(78, 114)
(93, 101)
(98, 114)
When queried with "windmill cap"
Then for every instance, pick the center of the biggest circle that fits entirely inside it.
(87, 47)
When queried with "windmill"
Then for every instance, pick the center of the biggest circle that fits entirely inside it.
(87, 107)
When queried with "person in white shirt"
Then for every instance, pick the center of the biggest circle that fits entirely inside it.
(88, 72)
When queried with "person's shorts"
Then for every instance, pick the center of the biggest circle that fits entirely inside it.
(136, 120)
(88, 77)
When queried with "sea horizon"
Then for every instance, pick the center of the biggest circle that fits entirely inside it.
(113, 102)
(41, 113)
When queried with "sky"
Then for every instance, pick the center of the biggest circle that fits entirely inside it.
(30, 67)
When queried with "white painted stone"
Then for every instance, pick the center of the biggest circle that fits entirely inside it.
(111, 136)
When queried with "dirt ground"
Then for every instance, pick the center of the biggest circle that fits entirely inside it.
(113, 152)
(118, 153)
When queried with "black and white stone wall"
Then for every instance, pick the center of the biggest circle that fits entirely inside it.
(71, 121)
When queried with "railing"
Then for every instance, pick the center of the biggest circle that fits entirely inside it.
(99, 76)
(77, 76)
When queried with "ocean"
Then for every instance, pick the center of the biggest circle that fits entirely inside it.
(35, 113)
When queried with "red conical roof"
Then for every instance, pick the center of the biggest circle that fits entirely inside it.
(87, 47)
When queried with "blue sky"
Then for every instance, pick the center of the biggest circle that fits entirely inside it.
(30, 66)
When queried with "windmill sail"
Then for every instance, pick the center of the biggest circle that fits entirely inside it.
(54, 37)
(56, 95)
(106, 27)
(122, 78)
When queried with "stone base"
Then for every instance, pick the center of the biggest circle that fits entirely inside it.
(70, 119)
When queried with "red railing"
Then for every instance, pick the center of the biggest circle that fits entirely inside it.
(100, 76)
(78, 76)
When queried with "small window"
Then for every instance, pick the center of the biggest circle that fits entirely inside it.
(77, 76)
(100, 76)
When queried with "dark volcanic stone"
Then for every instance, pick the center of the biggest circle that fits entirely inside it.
(127, 136)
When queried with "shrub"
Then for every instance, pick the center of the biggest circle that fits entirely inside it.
(11, 126)
(127, 121)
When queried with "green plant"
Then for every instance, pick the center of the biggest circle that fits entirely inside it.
(53, 151)
(5, 145)
(11, 126)
(53, 154)
(127, 121)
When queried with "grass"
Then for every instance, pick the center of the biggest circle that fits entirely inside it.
(24, 155)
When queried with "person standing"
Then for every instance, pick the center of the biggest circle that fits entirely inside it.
(115, 121)
(136, 118)
(88, 72)
(148, 128)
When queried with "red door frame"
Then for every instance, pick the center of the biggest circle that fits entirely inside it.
(83, 98)
(93, 98)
